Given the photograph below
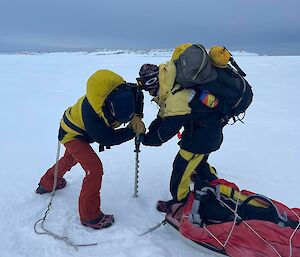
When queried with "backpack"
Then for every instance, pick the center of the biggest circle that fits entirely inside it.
(213, 206)
(195, 69)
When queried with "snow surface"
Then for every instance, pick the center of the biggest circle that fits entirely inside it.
(261, 155)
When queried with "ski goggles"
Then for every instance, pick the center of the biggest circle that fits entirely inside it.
(148, 83)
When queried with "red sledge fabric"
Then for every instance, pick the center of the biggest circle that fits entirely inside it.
(243, 242)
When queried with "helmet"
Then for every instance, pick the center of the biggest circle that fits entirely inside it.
(219, 56)
(148, 79)
(120, 106)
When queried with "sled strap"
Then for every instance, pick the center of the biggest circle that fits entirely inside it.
(194, 216)
(213, 236)
(234, 223)
(235, 218)
(256, 233)
(154, 228)
(204, 191)
(282, 219)
(294, 232)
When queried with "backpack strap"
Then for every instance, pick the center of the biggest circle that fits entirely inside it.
(194, 216)
(280, 219)
(225, 120)
(235, 65)
(177, 90)
(243, 92)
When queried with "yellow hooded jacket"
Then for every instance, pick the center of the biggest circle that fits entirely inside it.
(99, 86)
(176, 112)
(172, 104)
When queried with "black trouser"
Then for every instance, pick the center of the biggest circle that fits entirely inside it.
(184, 165)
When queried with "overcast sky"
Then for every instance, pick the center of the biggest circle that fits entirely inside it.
(261, 26)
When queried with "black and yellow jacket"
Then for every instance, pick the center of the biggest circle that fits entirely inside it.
(177, 111)
(87, 119)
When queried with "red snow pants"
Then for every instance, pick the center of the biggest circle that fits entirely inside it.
(79, 151)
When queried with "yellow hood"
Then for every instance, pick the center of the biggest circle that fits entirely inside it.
(99, 86)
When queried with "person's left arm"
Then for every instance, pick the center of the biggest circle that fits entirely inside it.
(176, 114)
(168, 128)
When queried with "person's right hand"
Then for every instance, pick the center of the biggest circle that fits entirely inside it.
(137, 125)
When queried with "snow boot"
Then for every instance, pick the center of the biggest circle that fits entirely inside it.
(61, 183)
(164, 206)
(104, 221)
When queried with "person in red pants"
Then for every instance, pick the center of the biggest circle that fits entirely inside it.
(108, 103)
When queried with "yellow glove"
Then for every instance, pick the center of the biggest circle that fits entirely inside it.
(137, 125)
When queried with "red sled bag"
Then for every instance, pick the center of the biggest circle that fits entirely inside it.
(219, 217)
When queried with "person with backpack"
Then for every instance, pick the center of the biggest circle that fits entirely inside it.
(197, 141)
(201, 113)
(108, 103)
